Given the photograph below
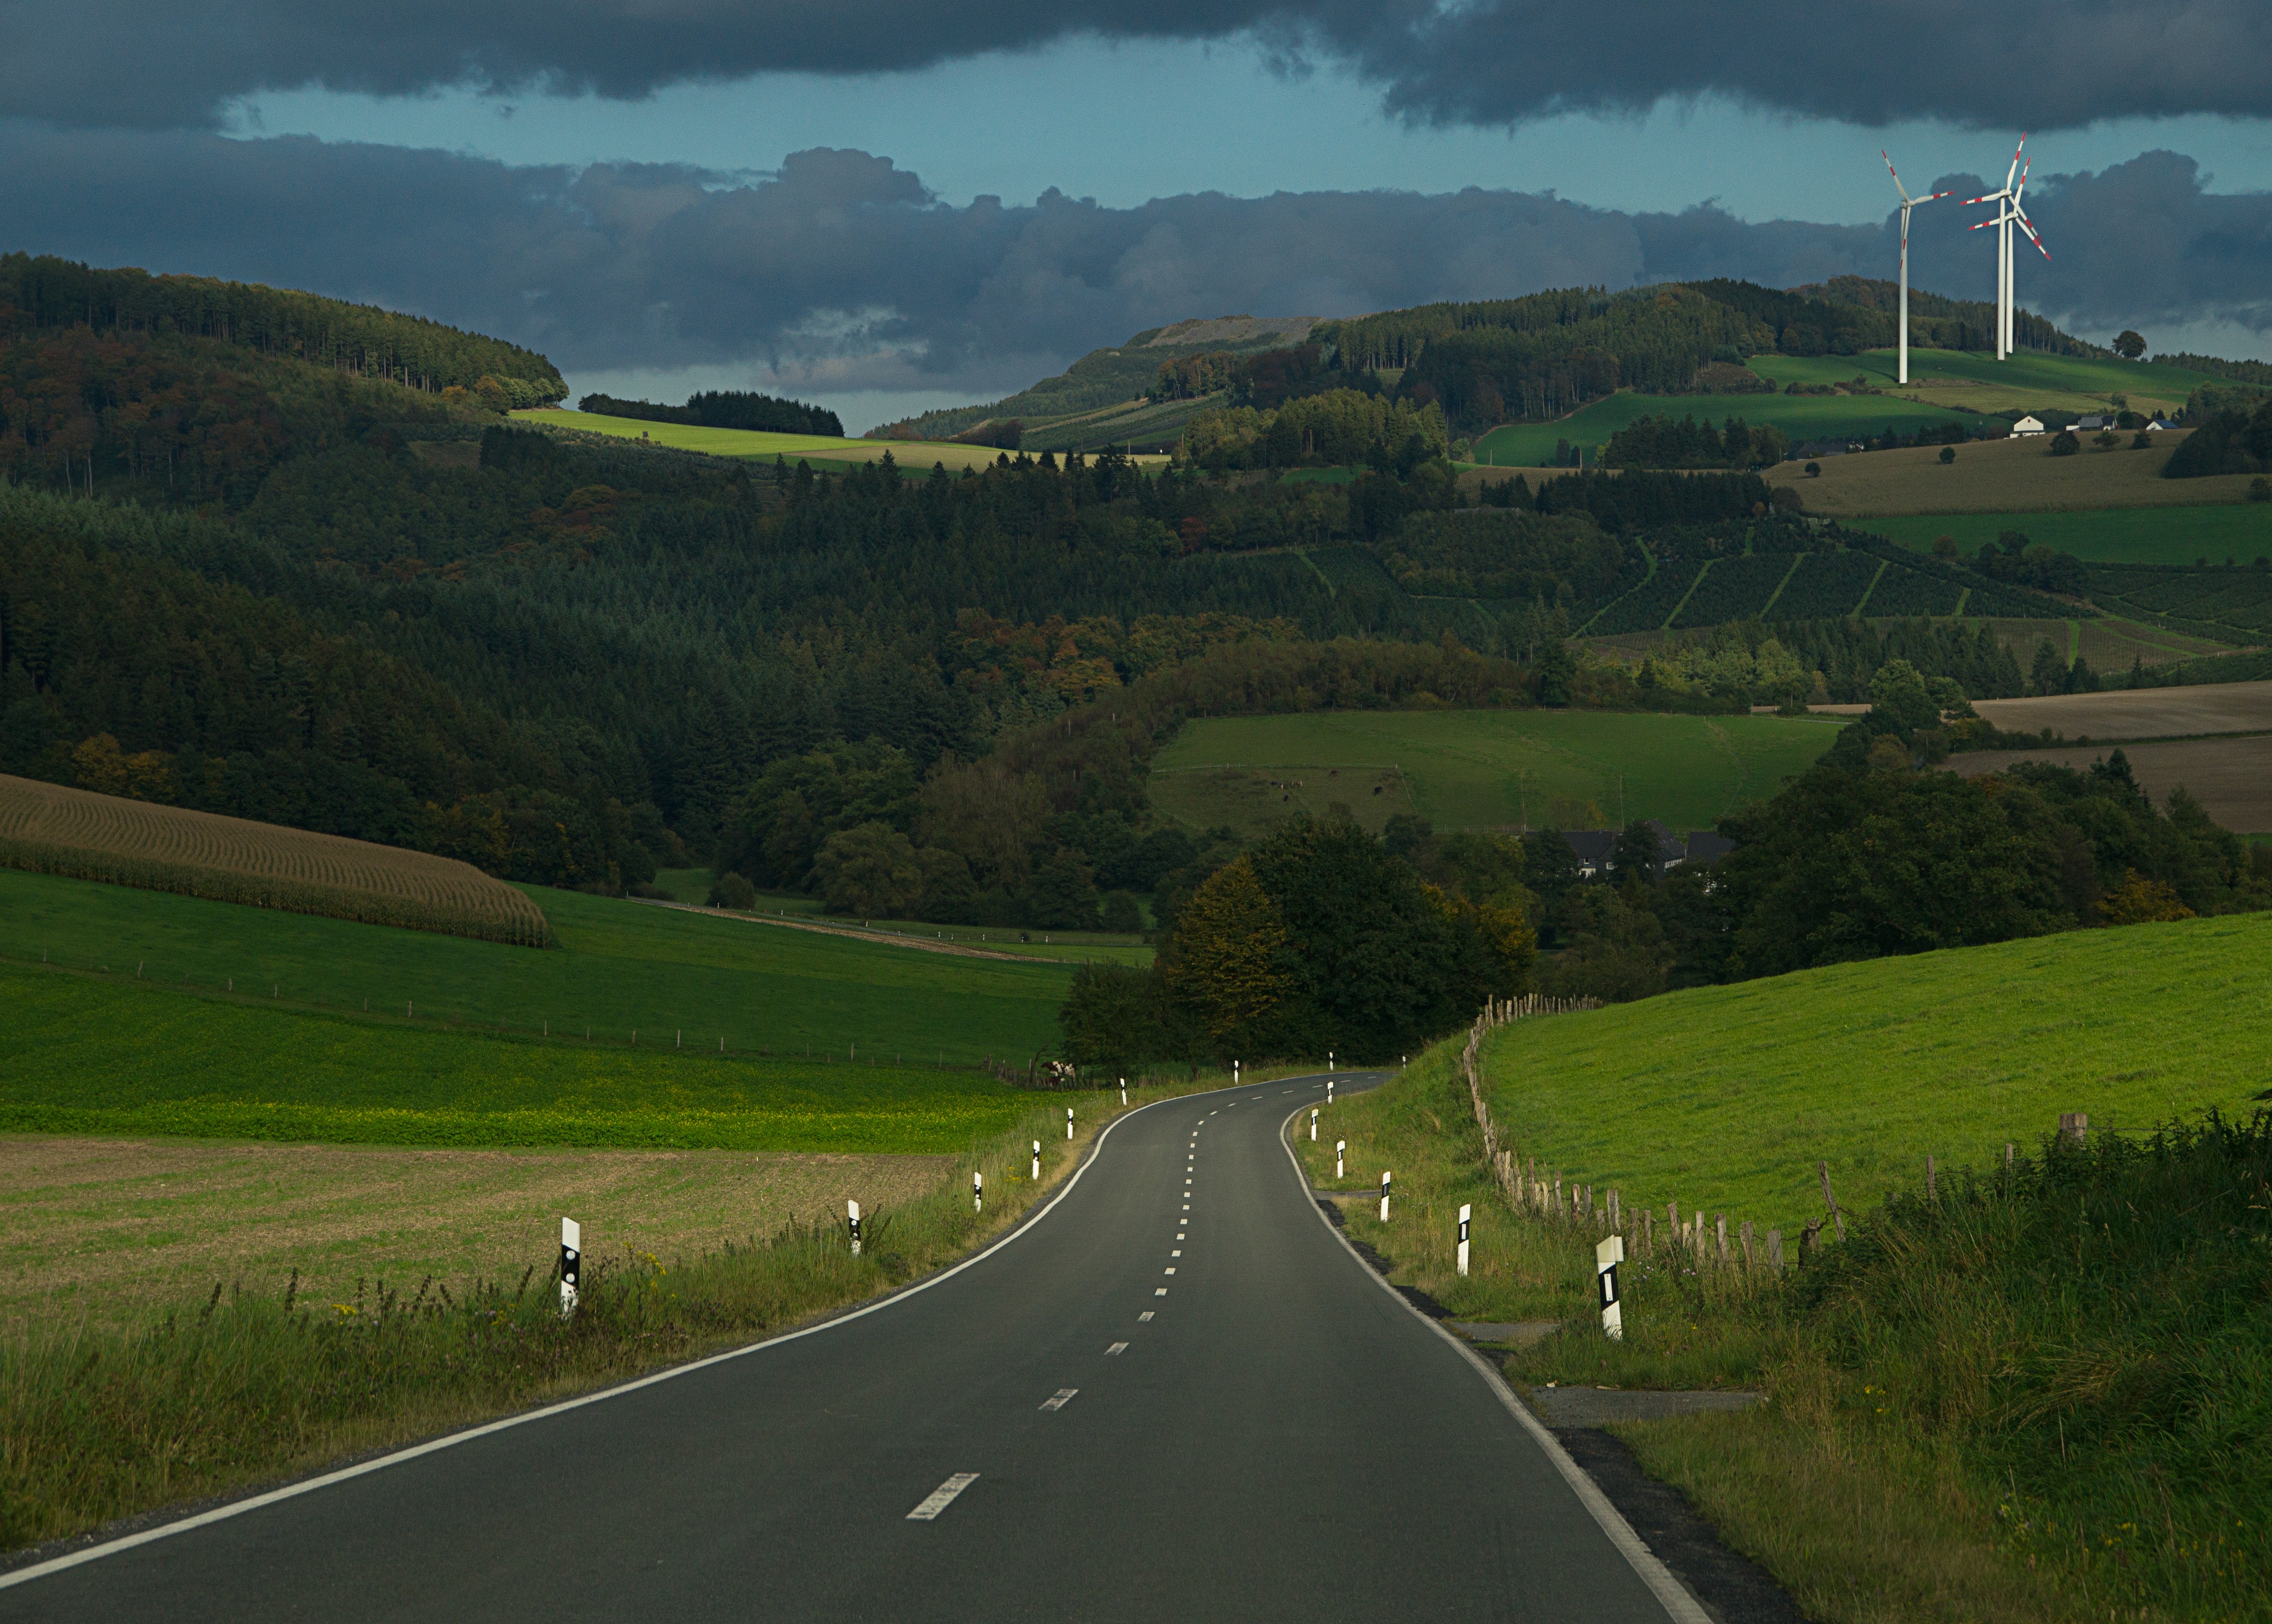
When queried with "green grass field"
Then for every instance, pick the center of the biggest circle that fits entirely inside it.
(621, 967)
(1948, 378)
(1945, 385)
(1467, 769)
(824, 453)
(1803, 418)
(92, 1055)
(1725, 1098)
(2240, 530)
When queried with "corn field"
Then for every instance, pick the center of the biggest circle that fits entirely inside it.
(78, 834)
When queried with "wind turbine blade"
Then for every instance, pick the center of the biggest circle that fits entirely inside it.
(2032, 238)
(1985, 196)
(1936, 197)
(1896, 175)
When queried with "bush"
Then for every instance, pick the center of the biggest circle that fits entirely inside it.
(733, 891)
(2064, 444)
(1120, 915)
(1947, 454)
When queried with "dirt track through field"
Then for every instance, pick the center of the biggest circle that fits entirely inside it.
(107, 1227)
(2230, 777)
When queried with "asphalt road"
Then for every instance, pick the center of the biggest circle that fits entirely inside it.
(1174, 1395)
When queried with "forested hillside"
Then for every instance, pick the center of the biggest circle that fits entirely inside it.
(45, 292)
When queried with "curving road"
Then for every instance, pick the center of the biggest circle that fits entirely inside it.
(1174, 1393)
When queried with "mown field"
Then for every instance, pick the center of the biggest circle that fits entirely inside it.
(621, 967)
(1725, 1098)
(94, 1055)
(51, 829)
(2004, 476)
(1471, 770)
(1803, 418)
(2234, 531)
(2230, 777)
(107, 1230)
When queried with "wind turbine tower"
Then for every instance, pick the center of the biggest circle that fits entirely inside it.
(1907, 203)
(2008, 214)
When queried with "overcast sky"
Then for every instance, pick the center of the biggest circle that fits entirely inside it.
(886, 206)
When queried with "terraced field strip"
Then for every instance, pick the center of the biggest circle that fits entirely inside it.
(50, 829)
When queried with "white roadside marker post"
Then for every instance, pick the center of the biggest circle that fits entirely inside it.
(1384, 1177)
(1234, 1073)
(1313, 1124)
(1329, 1062)
(1124, 1090)
(1607, 1255)
(571, 1262)
(1340, 1150)
(1068, 1122)
(1465, 1211)
(1037, 1161)
(852, 1210)
(977, 1190)
(1329, 1091)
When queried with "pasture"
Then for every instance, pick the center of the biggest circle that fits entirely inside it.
(2003, 476)
(48, 828)
(1481, 769)
(2238, 532)
(1973, 380)
(621, 968)
(1803, 418)
(1725, 1098)
(89, 1054)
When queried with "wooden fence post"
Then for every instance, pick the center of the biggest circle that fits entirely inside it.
(1775, 1250)
(1745, 1236)
(1720, 1223)
(2074, 1127)
(1830, 1200)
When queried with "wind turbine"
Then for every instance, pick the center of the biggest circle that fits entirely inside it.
(2008, 213)
(1907, 203)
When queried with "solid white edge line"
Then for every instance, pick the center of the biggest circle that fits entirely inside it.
(1671, 1595)
(237, 1508)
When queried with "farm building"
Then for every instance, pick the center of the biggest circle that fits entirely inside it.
(2030, 424)
(1594, 847)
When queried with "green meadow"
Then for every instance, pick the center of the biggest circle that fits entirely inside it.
(2239, 531)
(1725, 1099)
(1801, 417)
(622, 967)
(1470, 769)
(94, 1055)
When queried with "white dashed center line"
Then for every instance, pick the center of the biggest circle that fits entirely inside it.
(1170, 1271)
(1179, 1252)
(1160, 1292)
(1145, 1316)
(1058, 1399)
(1117, 1347)
(940, 1498)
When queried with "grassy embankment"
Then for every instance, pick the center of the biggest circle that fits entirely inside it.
(1472, 769)
(621, 967)
(1801, 417)
(2024, 1401)
(1974, 380)
(2018, 476)
(692, 886)
(241, 1387)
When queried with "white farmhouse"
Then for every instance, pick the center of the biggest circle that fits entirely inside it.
(2029, 425)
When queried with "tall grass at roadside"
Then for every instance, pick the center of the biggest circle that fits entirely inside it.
(1421, 1127)
(241, 1387)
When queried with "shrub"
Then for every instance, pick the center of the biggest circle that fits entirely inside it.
(1947, 454)
(733, 891)
(2064, 444)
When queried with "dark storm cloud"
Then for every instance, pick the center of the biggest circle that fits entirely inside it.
(2032, 64)
(844, 263)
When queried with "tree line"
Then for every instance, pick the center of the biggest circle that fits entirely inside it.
(725, 409)
(42, 293)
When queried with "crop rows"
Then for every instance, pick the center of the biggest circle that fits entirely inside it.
(49, 829)
(1827, 585)
(1736, 587)
(1647, 606)
(1910, 593)
(2230, 598)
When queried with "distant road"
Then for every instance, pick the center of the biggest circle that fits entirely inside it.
(1174, 1394)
